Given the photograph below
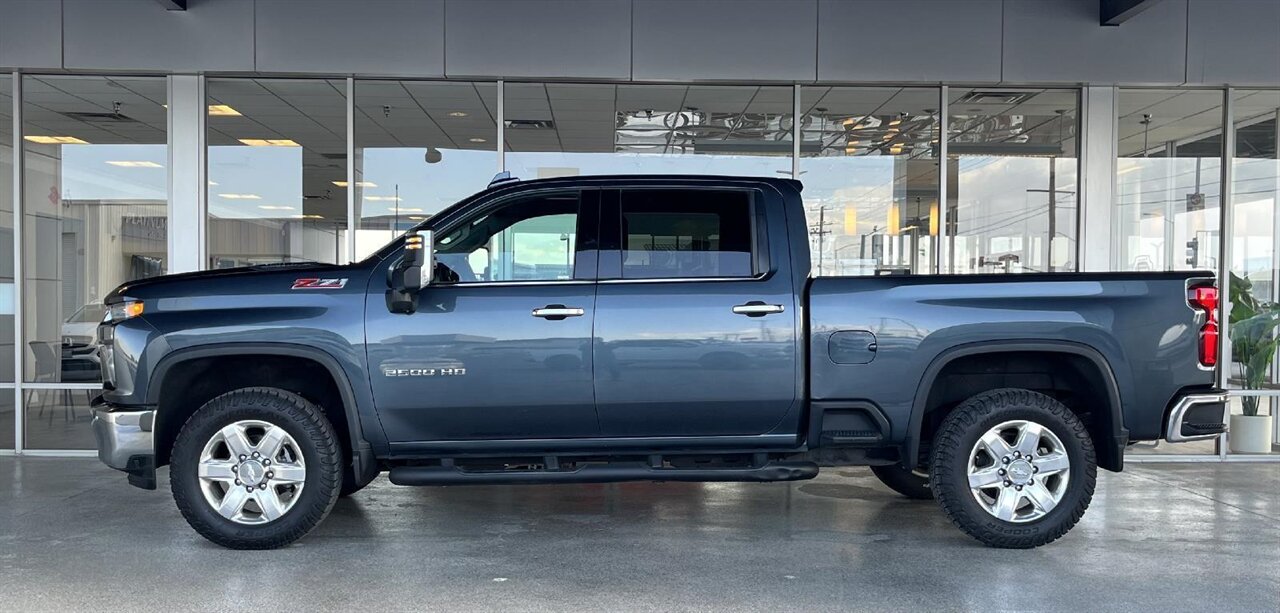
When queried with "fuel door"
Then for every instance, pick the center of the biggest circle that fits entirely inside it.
(852, 347)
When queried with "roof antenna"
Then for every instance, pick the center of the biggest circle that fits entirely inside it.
(502, 177)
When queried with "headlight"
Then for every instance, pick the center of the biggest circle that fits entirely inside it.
(121, 311)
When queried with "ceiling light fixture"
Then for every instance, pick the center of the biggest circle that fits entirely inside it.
(308, 216)
(222, 110)
(457, 114)
(268, 142)
(410, 210)
(275, 207)
(476, 140)
(358, 183)
(55, 140)
(382, 198)
(240, 196)
(134, 164)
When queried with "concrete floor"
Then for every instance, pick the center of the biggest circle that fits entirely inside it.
(74, 536)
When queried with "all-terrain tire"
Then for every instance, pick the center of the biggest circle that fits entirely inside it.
(909, 483)
(315, 440)
(956, 440)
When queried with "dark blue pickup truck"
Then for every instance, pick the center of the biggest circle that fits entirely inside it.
(598, 329)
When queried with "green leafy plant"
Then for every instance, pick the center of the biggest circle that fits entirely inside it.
(1254, 340)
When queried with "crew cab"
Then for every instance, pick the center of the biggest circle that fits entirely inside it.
(665, 328)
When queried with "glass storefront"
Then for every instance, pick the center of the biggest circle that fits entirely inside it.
(1011, 190)
(868, 160)
(95, 210)
(1254, 268)
(419, 147)
(277, 170)
(286, 184)
(1168, 179)
(564, 129)
(6, 260)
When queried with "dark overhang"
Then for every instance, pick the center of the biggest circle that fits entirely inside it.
(1116, 12)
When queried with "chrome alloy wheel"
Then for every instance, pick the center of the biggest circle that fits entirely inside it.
(252, 472)
(1018, 471)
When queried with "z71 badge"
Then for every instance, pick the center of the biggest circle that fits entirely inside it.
(319, 283)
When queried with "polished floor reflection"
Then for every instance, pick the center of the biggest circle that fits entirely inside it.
(1158, 537)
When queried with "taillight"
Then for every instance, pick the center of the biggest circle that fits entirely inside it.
(1205, 299)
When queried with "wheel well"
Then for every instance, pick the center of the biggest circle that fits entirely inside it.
(189, 384)
(1074, 380)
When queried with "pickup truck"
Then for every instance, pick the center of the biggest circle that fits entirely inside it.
(664, 328)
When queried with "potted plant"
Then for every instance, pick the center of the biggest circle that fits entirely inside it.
(1254, 341)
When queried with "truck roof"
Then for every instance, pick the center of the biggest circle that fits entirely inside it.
(502, 181)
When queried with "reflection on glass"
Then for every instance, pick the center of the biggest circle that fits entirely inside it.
(868, 163)
(1011, 189)
(420, 146)
(1255, 271)
(6, 252)
(276, 149)
(58, 419)
(95, 210)
(562, 129)
(1168, 179)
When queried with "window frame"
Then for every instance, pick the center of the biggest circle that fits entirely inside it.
(610, 232)
(585, 251)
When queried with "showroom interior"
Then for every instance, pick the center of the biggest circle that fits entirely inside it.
(145, 138)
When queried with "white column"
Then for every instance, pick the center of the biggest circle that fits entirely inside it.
(502, 130)
(353, 216)
(1097, 179)
(188, 174)
(945, 242)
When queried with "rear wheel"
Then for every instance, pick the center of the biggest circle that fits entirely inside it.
(910, 483)
(1013, 468)
(256, 468)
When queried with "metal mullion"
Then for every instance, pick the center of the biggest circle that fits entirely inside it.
(61, 453)
(1225, 231)
(61, 386)
(19, 154)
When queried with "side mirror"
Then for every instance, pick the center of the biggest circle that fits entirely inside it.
(412, 273)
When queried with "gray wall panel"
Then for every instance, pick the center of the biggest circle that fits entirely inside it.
(725, 39)
(374, 37)
(1234, 41)
(552, 38)
(1061, 41)
(141, 35)
(30, 34)
(909, 40)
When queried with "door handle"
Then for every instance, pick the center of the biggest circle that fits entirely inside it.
(556, 312)
(755, 308)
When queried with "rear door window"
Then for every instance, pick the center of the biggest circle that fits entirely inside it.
(686, 234)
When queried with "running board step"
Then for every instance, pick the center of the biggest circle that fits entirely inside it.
(601, 473)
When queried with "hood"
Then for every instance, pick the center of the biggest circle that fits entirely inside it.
(205, 280)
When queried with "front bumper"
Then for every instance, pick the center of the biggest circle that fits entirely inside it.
(1197, 417)
(126, 442)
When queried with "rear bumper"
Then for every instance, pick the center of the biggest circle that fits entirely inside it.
(126, 442)
(1197, 417)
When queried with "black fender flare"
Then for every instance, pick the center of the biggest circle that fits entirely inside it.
(361, 453)
(1117, 434)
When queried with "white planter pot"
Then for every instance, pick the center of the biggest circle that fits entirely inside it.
(1250, 434)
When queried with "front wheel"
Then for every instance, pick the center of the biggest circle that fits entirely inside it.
(256, 468)
(1013, 468)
